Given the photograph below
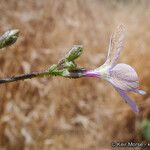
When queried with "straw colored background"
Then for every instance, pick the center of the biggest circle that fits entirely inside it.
(64, 114)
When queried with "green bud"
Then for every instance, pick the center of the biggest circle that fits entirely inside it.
(74, 53)
(9, 38)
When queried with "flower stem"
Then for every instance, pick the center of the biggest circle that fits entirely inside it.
(72, 74)
(24, 76)
(81, 73)
(90, 73)
(78, 73)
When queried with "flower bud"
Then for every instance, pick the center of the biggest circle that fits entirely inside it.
(74, 53)
(9, 38)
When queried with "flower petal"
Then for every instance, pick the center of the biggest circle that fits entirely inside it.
(124, 77)
(128, 100)
(140, 92)
(115, 45)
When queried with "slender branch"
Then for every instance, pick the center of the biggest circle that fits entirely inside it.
(73, 74)
(77, 73)
(66, 67)
(23, 77)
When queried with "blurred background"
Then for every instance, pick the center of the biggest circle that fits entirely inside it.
(71, 114)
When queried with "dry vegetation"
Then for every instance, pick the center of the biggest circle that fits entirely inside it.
(64, 114)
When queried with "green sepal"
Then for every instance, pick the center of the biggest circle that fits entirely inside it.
(69, 65)
(53, 70)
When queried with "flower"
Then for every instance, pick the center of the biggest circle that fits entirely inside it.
(122, 76)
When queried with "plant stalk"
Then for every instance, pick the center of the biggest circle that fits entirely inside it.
(23, 77)
(72, 74)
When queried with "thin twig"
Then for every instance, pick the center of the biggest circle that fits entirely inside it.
(65, 68)
(72, 74)
(23, 77)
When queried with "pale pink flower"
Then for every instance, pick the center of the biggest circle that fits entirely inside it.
(122, 76)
